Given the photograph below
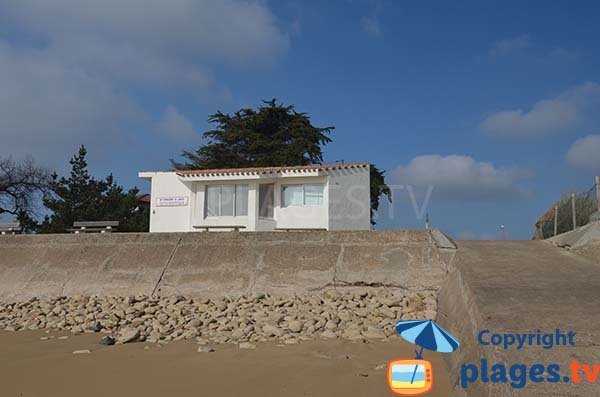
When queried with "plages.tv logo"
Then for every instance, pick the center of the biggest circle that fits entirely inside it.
(519, 375)
(415, 377)
(410, 377)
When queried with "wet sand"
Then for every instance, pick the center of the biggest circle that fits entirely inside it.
(31, 367)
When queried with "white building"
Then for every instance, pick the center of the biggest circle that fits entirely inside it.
(326, 197)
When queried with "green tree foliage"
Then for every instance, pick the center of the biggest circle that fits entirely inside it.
(273, 135)
(27, 221)
(81, 197)
(378, 188)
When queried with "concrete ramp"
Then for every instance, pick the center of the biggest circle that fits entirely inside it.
(520, 287)
(216, 263)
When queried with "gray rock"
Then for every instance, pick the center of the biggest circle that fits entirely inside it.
(129, 335)
(374, 334)
(205, 349)
(162, 318)
(270, 330)
(77, 329)
(330, 325)
(328, 334)
(389, 313)
(97, 327)
(295, 326)
(352, 334)
(107, 340)
(350, 313)
(247, 345)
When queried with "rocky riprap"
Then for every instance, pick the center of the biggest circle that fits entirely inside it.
(354, 314)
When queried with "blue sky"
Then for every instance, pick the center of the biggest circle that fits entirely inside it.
(494, 104)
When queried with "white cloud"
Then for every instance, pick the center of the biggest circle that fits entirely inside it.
(460, 177)
(176, 126)
(546, 117)
(47, 106)
(549, 116)
(371, 26)
(585, 153)
(504, 47)
(230, 30)
(68, 68)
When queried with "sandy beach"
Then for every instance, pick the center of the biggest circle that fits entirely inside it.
(32, 367)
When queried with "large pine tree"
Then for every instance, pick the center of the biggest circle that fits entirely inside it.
(273, 135)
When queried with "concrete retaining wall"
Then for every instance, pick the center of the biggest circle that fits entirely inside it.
(590, 250)
(576, 238)
(216, 263)
(584, 241)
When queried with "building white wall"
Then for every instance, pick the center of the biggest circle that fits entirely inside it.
(346, 202)
(349, 199)
(315, 217)
(169, 219)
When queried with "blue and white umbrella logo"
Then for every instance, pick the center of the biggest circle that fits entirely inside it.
(427, 335)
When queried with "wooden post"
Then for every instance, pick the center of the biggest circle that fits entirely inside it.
(555, 220)
(573, 209)
(598, 192)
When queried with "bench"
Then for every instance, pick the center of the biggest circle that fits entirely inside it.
(208, 227)
(300, 229)
(11, 228)
(94, 227)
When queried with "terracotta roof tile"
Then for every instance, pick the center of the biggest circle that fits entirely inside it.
(144, 198)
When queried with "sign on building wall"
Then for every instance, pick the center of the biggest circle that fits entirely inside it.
(172, 201)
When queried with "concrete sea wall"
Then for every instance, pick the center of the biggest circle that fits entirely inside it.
(503, 286)
(203, 264)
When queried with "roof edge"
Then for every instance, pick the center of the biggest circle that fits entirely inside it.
(271, 170)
